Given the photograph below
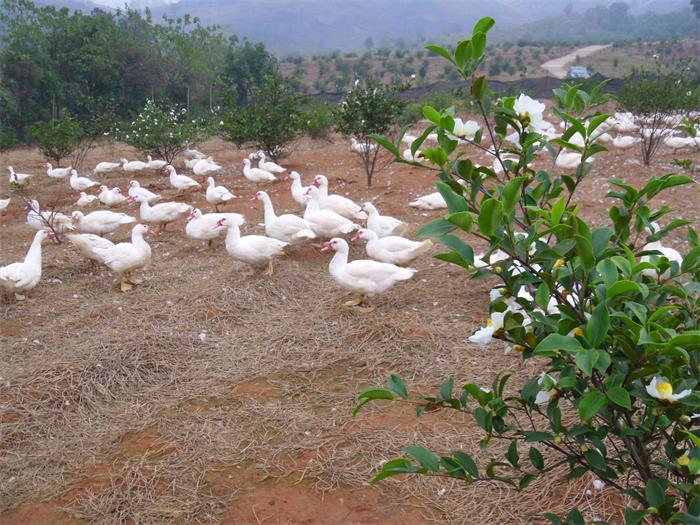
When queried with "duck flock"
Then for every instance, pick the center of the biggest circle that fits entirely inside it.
(325, 216)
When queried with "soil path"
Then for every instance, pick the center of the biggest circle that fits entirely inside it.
(558, 66)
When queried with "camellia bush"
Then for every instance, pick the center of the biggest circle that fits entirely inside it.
(58, 138)
(163, 131)
(609, 313)
(368, 109)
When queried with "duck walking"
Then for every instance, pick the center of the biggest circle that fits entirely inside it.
(21, 277)
(251, 249)
(365, 277)
(392, 249)
(127, 257)
(288, 228)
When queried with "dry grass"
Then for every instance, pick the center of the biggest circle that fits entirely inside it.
(202, 386)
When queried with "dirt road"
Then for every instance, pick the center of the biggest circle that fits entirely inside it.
(558, 66)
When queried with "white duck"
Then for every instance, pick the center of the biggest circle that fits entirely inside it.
(181, 182)
(299, 192)
(270, 166)
(125, 257)
(194, 154)
(217, 195)
(383, 225)
(161, 214)
(361, 148)
(40, 220)
(325, 223)
(111, 197)
(57, 173)
(85, 200)
(671, 254)
(4, 203)
(432, 201)
(86, 243)
(80, 183)
(570, 160)
(136, 189)
(155, 164)
(251, 249)
(190, 163)
(133, 166)
(392, 249)
(205, 167)
(337, 203)
(20, 277)
(288, 228)
(680, 142)
(203, 227)
(18, 178)
(100, 222)
(624, 142)
(256, 174)
(365, 277)
(106, 167)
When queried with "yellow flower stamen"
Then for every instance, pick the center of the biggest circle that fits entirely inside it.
(683, 461)
(489, 322)
(578, 331)
(518, 349)
(665, 389)
(559, 263)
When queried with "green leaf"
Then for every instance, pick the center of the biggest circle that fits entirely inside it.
(467, 463)
(387, 145)
(479, 88)
(446, 388)
(623, 287)
(634, 517)
(396, 384)
(512, 454)
(557, 212)
(655, 494)
(455, 202)
(490, 216)
(427, 459)
(574, 517)
(536, 458)
(598, 324)
(431, 114)
(478, 45)
(371, 394)
(483, 25)
(463, 53)
(584, 249)
(511, 192)
(620, 396)
(459, 246)
(394, 468)
(691, 260)
(553, 518)
(542, 296)
(586, 359)
(590, 404)
(436, 228)
(463, 220)
(440, 51)
(554, 343)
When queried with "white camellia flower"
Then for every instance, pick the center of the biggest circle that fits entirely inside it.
(598, 485)
(484, 335)
(547, 389)
(528, 107)
(464, 130)
(661, 388)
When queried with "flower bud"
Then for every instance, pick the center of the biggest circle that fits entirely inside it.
(559, 263)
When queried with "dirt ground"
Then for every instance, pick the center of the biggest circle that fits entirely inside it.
(206, 396)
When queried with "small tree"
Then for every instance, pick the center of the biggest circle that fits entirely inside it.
(368, 109)
(271, 120)
(607, 312)
(163, 131)
(58, 138)
(657, 100)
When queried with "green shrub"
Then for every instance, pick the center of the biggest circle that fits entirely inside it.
(608, 314)
(57, 138)
(317, 120)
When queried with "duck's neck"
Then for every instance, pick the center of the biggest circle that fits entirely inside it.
(138, 241)
(323, 190)
(372, 236)
(269, 211)
(145, 207)
(232, 237)
(312, 205)
(338, 262)
(33, 256)
(296, 185)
